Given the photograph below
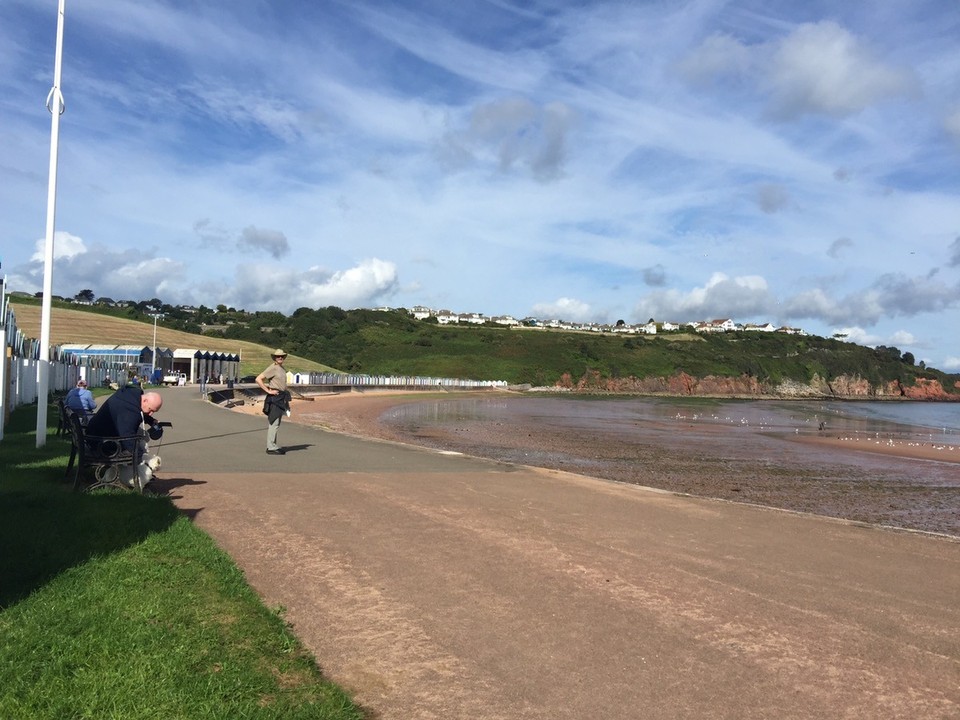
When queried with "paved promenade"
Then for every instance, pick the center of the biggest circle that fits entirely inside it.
(439, 586)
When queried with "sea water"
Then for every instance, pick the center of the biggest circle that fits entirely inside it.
(908, 420)
(743, 450)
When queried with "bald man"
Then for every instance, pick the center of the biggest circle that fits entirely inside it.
(124, 412)
(122, 415)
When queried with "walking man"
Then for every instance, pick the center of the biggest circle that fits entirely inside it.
(273, 381)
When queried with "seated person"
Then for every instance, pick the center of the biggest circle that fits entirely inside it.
(81, 401)
(124, 414)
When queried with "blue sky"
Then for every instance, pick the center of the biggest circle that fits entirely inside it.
(762, 160)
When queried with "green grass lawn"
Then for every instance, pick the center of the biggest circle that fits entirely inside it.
(113, 605)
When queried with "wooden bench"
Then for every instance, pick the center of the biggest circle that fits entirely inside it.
(104, 457)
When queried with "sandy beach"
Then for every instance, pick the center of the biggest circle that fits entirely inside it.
(436, 586)
(877, 481)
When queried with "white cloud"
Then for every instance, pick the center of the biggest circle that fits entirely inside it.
(719, 55)
(65, 245)
(127, 274)
(907, 296)
(858, 335)
(818, 68)
(490, 157)
(823, 68)
(722, 296)
(513, 131)
(564, 308)
(286, 290)
(902, 337)
(515, 70)
(891, 295)
(278, 117)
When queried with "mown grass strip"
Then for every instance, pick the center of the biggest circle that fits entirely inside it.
(113, 605)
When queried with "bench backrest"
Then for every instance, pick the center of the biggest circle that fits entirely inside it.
(95, 450)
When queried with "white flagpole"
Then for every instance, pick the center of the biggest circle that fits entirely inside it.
(56, 107)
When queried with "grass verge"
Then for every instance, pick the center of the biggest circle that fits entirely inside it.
(113, 605)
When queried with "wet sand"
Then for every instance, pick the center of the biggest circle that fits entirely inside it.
(940, 452)
(890, 482)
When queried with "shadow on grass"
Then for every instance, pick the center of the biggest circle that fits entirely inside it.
(167, 489)
(46, 528)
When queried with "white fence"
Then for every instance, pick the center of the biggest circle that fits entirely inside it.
(21, 360)
(391, 381)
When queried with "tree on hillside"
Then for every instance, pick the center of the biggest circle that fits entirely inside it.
(85, 296)
(151, 305)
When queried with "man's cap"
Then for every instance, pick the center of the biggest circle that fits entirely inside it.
(81, 383)
(278, 353)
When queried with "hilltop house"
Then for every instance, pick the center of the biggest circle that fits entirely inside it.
(719, 325)
(472, 318)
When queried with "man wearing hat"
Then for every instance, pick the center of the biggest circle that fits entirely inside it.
(81, 401)
(273, 381)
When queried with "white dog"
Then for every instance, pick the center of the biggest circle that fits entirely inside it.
(146, 469)
(149, 464)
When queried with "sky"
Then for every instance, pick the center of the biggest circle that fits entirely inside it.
(760, 160)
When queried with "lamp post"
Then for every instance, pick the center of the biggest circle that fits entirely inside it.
(56, 107)
(153, 355)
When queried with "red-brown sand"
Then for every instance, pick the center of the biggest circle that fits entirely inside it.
(828, 475)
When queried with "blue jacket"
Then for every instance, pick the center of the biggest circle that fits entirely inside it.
(80, 400)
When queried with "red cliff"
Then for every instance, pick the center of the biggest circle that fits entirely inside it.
(682, 384)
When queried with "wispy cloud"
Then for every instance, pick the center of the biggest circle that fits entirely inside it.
(595, 161)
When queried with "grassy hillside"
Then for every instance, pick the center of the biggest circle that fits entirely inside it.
(79, 326)
(393, 343)
(542, 357)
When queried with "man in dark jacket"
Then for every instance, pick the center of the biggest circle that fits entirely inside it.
(123, 415)
(125, 412)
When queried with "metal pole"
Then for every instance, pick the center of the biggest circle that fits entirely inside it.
(4, 347)
(153, 357)
(56, 107)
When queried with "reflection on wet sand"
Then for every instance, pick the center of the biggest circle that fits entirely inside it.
(805, 457)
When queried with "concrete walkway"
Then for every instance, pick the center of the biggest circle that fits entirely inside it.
(440, 586)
